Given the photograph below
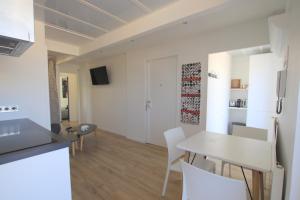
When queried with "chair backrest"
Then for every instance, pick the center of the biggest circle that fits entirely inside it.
(173, 137)
(250, 132)
(200, 184)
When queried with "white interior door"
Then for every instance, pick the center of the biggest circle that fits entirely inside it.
(161, 102)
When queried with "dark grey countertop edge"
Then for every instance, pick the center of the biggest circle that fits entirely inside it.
(60, 143)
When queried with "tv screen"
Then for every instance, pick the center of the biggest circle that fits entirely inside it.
(99, 76)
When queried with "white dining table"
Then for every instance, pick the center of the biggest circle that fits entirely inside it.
(252, 154)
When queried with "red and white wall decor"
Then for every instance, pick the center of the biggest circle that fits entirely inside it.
(191, 93)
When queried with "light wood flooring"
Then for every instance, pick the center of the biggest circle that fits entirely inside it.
(112, 167)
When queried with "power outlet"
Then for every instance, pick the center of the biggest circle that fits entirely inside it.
(13, 108)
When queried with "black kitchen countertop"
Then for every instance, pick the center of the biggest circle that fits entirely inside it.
(23, 138)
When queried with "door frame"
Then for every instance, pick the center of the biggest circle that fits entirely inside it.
(61, 76)
(67, 74)
(148, 89)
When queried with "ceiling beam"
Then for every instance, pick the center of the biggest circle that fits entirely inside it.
(71, 17)
(141, 5)
(62, 47)
(90, 5)
(63, 60)
(69, 31)
(154, 21)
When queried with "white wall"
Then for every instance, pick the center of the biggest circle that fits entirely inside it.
(24, 82)
(73, 96)
(120, 106)
(240, 68)
(196, 49)
(289, 145)
(218, 91)
(295, 177)
(107, 104)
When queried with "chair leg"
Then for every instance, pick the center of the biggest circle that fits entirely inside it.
(81, 143)
(222, 168)
(166, 182)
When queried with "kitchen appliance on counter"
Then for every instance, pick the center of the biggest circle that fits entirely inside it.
(238, 103)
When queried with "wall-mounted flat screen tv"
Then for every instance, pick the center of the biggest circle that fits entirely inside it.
(99, 76)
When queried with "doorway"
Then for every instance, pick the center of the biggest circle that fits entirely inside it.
(69, 104)
(64, 100)
(161, 103)
(241, 89)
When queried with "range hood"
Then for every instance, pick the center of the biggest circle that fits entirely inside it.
(16, 26)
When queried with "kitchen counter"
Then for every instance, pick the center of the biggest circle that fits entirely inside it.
(22, 138)
(34, 163)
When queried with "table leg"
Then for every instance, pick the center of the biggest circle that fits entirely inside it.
(256, 185)
(262, 189)
(81, 143)
(73, 149)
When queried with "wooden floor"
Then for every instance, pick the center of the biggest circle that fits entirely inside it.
(115, 168)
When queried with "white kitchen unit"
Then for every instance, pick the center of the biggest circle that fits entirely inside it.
(262, 89)
(34, 163)
(45, 176)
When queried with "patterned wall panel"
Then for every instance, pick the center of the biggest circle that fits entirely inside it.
(191, 93)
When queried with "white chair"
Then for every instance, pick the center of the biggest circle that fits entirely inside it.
(173, 137)
(247, 132)
(250, 132)
(200, 184)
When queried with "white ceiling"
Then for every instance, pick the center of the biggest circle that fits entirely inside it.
(234, 12)
(81, 21)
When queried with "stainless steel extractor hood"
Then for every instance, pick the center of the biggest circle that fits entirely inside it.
(16, 26)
